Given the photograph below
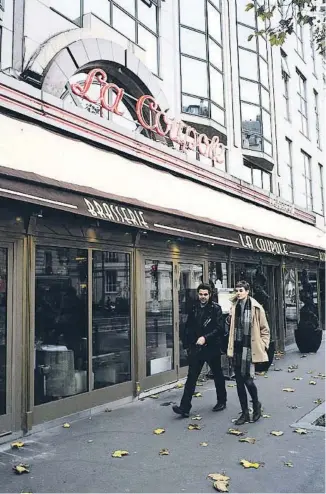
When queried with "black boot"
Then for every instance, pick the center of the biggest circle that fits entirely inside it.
(180, 411)
(219, 406)
(257, 411)
(244, 417)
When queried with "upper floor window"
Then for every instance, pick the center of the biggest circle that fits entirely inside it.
(304, 183)
(135, 19)
(254, 82)
(257, 177)
(299, 35)
(303, 108)
(313, 50)
(316, 104)
(321, 181)
(286, 78)
(287, 176)
(71, 10)
(201, 55)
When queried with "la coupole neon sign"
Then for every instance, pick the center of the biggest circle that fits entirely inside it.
(184, 135)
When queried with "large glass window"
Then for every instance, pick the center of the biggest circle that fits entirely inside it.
(159, 317)
(321, 184)
(290, 300)
(201, 54)
(287, 176)
(303, 182)
(61, 323)
(299, 35)
(3, 331)
(111, 318)
(256, 176)
(191, 275)
(303, 107)
(254, 83)
(71, 10)
(135, 19)
(316, 101)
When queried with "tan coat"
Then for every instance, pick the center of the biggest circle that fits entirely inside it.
(260, 333)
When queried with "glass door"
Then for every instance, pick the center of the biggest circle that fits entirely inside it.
(6, 416)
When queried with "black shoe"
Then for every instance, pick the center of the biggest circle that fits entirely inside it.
(244, 417)
(219, 406)
(179, 411)
(257, 412)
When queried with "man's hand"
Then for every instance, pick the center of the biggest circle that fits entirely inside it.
(201, 341)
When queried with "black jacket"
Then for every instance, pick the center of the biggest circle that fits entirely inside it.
(207, 322)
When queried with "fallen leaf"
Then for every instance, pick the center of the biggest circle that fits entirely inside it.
(297, 378)
(312, 382)
(294, 407)
(154, 397)
(233, 420)
(249, 464)
(265, 416)
(277, 369)
(288, 390)
(231, 385)
(303, 356)
(250, 440)
(196, 417)
(119, 453)
(321, 375)
(277, 433)
(17, 445)
(194, 427)
(260, 373)
(158, 431)
(197, 395)
(310, 372)
(199, 384)
(293, 366)
(21, 468)
(288, 463)
(300, 431)
(291, 370)
(66, 425)
(235, 432)
(221, 486)
(179, 385)
(164, 452)
(204, 444)
(218, 476)
(319, 401)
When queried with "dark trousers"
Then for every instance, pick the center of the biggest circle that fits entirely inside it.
(244, 382)
(196, 363)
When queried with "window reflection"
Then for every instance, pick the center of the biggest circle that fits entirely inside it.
(111, 318)
(243, 16)
(192, 13)
(195, 106)
(149, 42)
(101, 8)
(193, 43)
(251, 127)
(147, 15)
(3, 331)
(243, 33)
(61, 323)
(123, 23)
(71, 10)
(214, 23)
(215, 54)
(217, 114)
(128, 5)
(290, 298)
(249, 91)
(248, 65)
(159, 317)
(194, 85)
(216, 81)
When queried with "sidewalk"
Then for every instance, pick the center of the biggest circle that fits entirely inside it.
(79, 459)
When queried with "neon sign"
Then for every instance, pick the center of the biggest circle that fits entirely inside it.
(156, 120)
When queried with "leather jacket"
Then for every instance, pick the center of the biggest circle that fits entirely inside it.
(204, 321)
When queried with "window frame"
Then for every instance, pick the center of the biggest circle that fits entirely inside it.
(81, 14)
(303, 103)
(289, 164)
(321, 179)
(307, 179)
(317, 119)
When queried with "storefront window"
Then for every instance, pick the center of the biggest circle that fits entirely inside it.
(191, 275)
(159, 317)
(218, 276)
(308, 299)
(61, 323)
(290, 299)
(111, 318)
(3, 331)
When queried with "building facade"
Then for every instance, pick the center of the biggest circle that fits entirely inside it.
(146, 145)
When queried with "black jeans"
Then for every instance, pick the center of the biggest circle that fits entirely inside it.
(244, 382)
(196, 362)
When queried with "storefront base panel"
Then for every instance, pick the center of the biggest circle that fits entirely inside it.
(79, 404)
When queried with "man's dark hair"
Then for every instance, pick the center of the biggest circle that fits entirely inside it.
(243, 284)
(204, 286)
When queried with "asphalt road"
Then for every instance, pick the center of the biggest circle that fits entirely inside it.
(79, 459)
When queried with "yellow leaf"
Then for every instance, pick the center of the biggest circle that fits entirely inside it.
(197, 395)
(235, 432)
(218, 476)
(199, 384)
(196, 417)
(288, 390)
(312, 382)
(154, 397)
(297, 378)
(204, 444)
(231, 385)
(221, 486)
(319, 401)
(17, 445)
(260, 373)
(66, 425)
(249, 464)
(250, 440)
(158, 431)
(300, 431)
(265, 416)
(164, 452)
(288, 464)
(119, 453)
(194, 427)
(21, 468)
(179, 385)
(277, 433)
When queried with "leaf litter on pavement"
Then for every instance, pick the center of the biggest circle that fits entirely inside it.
(164, 452)
(21, 468)
(277, 433)
(119, 453)
(250, 464)
(236, 432)
(194, 427)
(196, 417)
(288, 464)
(250, 440)
(17, 445)
(301, 431)
(197, 395)
(220, 481)
(288, 390)
(158, 431)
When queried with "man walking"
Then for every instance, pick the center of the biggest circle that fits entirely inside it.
(248, 344)
(203, 332)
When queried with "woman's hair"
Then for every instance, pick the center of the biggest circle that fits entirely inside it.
(243, 284)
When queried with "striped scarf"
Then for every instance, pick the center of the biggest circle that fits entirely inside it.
(242, 336)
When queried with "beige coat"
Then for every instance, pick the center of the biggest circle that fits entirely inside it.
(260, 333)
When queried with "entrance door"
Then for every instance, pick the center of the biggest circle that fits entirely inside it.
(6, 415)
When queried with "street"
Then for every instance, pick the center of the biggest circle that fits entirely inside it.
(78, 459)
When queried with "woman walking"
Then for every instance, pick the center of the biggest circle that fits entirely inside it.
(248, 344)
